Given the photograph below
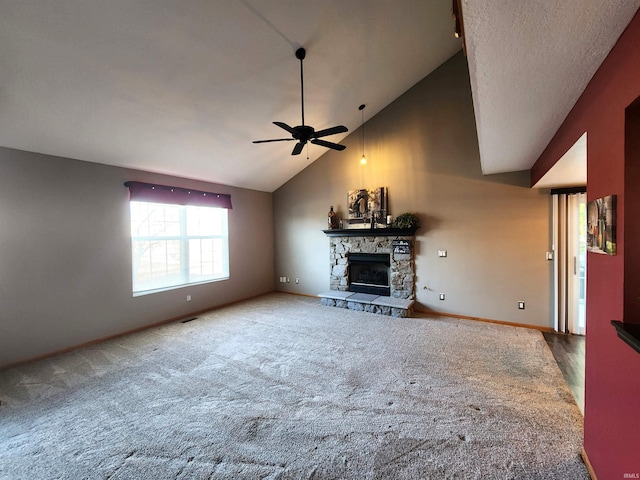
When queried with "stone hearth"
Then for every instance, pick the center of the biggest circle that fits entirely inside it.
(395, 307)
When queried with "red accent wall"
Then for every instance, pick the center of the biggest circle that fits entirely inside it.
(612, 379)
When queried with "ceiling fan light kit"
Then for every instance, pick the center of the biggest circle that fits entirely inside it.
(306, 133)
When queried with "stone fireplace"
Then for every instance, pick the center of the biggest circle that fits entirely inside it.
(382, 256)
(401, 268)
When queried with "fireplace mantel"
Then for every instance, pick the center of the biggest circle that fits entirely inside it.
(370, 232)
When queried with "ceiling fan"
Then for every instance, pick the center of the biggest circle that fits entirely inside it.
(305, 133)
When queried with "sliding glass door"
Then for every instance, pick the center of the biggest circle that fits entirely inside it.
(570, 265)
(577, 244)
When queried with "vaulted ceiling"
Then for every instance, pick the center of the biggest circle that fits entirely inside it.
(529, 62)
(183, 87)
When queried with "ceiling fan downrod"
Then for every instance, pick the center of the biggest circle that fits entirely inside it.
(300, 54)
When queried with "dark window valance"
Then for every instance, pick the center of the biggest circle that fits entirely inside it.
(151, 192)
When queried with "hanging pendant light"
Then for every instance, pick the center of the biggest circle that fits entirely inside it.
(363, 160)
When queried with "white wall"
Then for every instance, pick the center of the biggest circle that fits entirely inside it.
(424, 148)
(65, 254)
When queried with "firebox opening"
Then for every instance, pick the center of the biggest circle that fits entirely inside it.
(369, 273)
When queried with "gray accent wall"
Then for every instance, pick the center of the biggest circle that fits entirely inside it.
(65, 254)
(424, 148)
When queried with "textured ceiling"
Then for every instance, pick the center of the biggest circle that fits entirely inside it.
(183, 87)
(529, 62)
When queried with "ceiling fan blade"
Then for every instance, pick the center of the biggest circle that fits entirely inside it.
(330, 131)
(298, 148)
(289, 129)
(274, 140)
(324, 143)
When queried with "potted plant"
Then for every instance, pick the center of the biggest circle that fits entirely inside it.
(406, 220)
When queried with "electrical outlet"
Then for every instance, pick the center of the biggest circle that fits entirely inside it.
(442, 296)
(521, 305)
(188, 298)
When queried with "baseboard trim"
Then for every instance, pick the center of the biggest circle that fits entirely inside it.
(452, 315)
(486, 320)
(586, 461)
(127, 332)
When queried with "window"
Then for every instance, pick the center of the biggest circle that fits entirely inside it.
(177, 245)
(179, 236)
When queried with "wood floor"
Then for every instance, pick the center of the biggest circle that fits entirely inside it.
(568, 351)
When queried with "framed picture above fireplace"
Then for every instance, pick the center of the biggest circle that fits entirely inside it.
(366, 204)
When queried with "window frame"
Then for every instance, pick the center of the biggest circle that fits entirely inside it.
(184, 239)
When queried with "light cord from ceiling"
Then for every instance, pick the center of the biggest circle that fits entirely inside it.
(363, 160)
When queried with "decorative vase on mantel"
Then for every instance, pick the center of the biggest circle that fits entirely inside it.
(332, 219)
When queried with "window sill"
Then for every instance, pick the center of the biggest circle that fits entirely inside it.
(176, 287)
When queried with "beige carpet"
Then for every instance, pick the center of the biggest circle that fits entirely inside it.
(281, 387)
